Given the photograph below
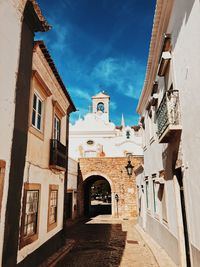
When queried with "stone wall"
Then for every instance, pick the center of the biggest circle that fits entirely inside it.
(112, 169)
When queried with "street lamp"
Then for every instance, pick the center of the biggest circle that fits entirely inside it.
(129, 168)
(117, 199)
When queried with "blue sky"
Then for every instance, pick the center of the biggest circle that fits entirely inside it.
(100, 45)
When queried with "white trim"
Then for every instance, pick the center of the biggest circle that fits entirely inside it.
(38, 98)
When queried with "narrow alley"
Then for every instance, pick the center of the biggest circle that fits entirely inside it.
(100, 135)
(104, 241)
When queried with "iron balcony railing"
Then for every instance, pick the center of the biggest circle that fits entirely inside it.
(168, 113)
(57, 154)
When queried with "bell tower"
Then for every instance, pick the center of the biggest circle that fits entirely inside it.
(100, 105)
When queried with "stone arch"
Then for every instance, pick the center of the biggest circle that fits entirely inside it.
(88, 180)
(97, 173)
(113, 169)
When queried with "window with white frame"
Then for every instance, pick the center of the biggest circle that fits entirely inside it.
(37, 112)
(57, 127)
(53, 206)
(31, 212)
(163, 200)
(147, 193)
(155, 197)
(29, 226)
(139, 199)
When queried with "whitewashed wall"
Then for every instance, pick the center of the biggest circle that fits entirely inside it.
(72, 174)
(185, 27)
(106, 137)
(44, 177)
(37, 169)
(10, 32)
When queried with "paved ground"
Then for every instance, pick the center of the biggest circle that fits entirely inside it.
(106, 242)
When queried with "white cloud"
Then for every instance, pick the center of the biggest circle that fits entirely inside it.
(125, 75)
(113, 105)
(80, 93)
(61, 35)
(130, 91)
(81, 112)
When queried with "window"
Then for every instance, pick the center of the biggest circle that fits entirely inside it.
(147, 194)
(155, 204)
(163, 200)
(128, 134)
(56, 130)
(143, 139)
(53, 206)
(100, 107)
(29, 228)
(31, 212)
(90, 142)
(37, 112)
(139, 200)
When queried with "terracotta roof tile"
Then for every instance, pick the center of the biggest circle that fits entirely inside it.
(44, 23)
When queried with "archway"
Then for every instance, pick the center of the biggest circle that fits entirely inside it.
(97, 196)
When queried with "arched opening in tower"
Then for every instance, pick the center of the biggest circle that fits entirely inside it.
(97, 196)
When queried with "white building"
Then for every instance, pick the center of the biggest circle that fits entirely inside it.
(95, 135)
(168, 183)
(20, 19)
(44, 181)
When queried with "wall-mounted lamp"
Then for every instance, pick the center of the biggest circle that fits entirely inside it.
(129, 168)
(117, 197)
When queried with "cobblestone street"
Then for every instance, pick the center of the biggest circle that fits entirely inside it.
(103, 241)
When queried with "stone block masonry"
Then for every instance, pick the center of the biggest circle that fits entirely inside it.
(114, 171)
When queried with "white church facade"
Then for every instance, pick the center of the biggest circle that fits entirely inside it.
(96, 136)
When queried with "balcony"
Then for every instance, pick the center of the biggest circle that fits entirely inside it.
(168, 117)
(57, 155)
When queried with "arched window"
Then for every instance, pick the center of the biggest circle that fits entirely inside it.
(100, 106)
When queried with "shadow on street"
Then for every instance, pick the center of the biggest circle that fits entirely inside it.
(97, 244)
(100, 209)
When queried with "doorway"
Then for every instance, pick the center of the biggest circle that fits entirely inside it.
(97, 196)
(69, 205)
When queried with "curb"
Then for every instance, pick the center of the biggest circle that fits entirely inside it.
(159, 253)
